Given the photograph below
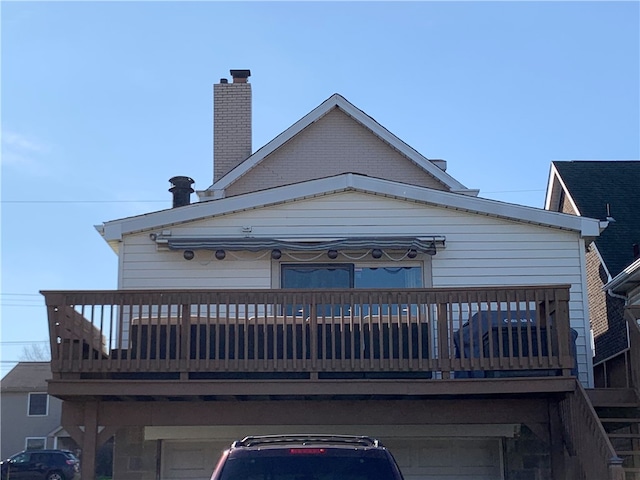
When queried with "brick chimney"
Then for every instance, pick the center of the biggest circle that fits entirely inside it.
(231, 123)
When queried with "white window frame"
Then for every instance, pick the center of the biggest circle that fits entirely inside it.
(422, 261)
(44, 444)
(46, 412)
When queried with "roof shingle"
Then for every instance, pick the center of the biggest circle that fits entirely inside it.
(593, 185)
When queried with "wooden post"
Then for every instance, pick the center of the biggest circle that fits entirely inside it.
(616, 472)
(185, 335)
(556, 444)
(443, 340)
(90, 441)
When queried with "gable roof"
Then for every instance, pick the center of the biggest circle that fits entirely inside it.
(27, 377)
(601, 189)
(113, 231)
(335, 101)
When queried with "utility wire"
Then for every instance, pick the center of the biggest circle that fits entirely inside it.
(165, 200)
(84, 201)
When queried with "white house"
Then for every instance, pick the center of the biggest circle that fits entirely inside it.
(335, 280)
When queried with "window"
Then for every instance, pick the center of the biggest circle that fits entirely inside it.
(35, 443)
(38, 405)
(337, 275)
(348, 275)
(325, 466)
(388, 277)
(21, 457)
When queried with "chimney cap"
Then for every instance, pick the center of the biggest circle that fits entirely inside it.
(182, 181)
(240, 76)
(181, 190)
(240, 73)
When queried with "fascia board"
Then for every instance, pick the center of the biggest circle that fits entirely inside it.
(588, 227)
(553, 174)
(339, 101)
(115, 229)
(558, 177)
(399, 145)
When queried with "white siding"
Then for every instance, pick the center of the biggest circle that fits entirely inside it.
(480, 250)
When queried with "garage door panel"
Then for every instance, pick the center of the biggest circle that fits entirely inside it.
(447, 458)
(190, 460)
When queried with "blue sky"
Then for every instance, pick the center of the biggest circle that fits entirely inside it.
(103, 102)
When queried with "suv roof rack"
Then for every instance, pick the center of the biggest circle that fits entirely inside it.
(253, 441)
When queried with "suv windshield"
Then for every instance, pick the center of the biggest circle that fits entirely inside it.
(308, 464)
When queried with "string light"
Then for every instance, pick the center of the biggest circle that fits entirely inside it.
(278, 255)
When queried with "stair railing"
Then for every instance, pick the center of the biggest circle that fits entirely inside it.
(587, 442)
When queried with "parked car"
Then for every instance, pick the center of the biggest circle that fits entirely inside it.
(41, 465)
(307, 457)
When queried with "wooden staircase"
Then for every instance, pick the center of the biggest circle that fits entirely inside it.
(619, 413)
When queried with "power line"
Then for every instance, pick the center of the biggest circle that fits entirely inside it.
(21, 300)
(84, 201)
(165, 200)
(21, 294)
(17, 305)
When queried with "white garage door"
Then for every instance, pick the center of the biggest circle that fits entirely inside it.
(448, 458)
(188, 460)
(418, 458)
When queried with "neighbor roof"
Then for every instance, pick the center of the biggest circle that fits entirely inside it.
(626, 280)
(594, 185)
(27, 377)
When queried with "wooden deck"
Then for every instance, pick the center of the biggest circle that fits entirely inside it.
(154, 358)
(301, 342)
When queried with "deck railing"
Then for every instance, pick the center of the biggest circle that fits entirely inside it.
(593, 455)
(424, 333)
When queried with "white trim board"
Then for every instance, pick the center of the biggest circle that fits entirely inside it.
(113, 231)
(335, 101)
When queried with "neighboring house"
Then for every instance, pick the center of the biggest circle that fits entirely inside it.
(627, 284)
(335, 281)
(607, 190)
(30, 416)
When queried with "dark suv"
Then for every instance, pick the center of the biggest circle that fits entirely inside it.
(41, 465)
(307, 457)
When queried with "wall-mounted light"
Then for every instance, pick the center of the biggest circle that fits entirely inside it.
(332, 254)
(188, 254)
(153, 236)
(276, 254)
(412, 253)
(376, 253)
(220, 254)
